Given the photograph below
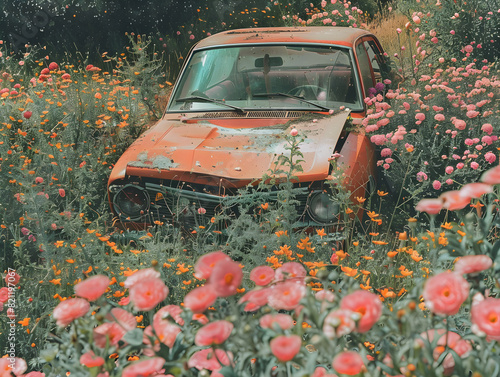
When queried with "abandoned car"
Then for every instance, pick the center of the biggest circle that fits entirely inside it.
(238, 97)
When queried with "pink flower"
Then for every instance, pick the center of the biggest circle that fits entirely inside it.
(12, 366)
(294, 132)
(492, 176)
(348, 362)
(68, 310)
(62, 193)
(12, 277)
(285, 348)
(436, 185)
(421, 176)
(93, 287)
(488, 128)
(445, 293)
(291, 270)
(420, 116)
(365, 303)
(262, 275)
(209, 359)
(472, 113)
(39, 180)
(286, 295)
(378, 139)
(386, 152)
(205, 264)
(445, 339)
(226, 278)
(140, 275)
(148, 293)
(278, 320)
(4, 294)
(485, 317)
(144, 368)
(108, 332)
(202, 211)
(490, 157)
(122, 317)
(200, 298)
(439, 117)
(474, 165)
(475, 190)
(27, 114)
(339, 323)
(166, 313)
(90, 360)
(255, 299)
(449, 169)
(213, 333)
(453, 200)
(472, 264)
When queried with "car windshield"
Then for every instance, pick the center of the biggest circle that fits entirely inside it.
(294, 77)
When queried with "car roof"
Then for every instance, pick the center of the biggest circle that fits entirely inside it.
(345, 36)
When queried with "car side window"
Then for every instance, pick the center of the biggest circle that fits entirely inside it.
(364, 67)
(377, 59)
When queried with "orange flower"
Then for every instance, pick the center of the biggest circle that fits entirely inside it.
(349, 271)
(265, 206)
(321, 232)
(392, 254)
(25, 322)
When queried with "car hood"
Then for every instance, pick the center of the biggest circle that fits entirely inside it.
(172, 148)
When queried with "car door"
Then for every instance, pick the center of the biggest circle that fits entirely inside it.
(371, 61)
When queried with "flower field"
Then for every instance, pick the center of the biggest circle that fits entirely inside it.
(411, 288)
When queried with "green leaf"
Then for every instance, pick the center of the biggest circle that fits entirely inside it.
(133, 337)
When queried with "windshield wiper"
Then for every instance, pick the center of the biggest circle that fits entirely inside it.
(207, 99)
(278, 94)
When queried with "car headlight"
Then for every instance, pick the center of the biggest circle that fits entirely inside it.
(131, 202)
(321, 208)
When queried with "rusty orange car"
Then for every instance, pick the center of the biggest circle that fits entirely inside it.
(237, 98)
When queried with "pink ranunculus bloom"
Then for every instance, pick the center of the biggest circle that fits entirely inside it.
(210, 359)
(487, 127)
(92, 288)
(168, 312)
(213, 333)
(262, 275)
(474, 165)
(475, 190)
(90, 360)
(291, 270)
(140, 275)
(68, 310)
(255, 299)
(445, 339)
(285, 348)
(166, 332)
(339, 323)
(445, 293)
(453, 200)
(110, 332)
(449, 169)
(472, 264)
(144, 368)
(490, 157)
(420, 116)
(386, 152)
(430, 206)
(325, 295)
(286, 295)
(36, 374)
(124, 318)
(439, 117)
(436, 185)
(460, 124)
(278, 320)
(200, 298)
(367, 304)
(226, 278)
(4, 294)
(12, 278)
(12, 366)
(205, 264)
(148, 293)
(62, 193)
(322, 372)
(485, 317)
(348, 362)
(491, 176)
(421, 176)
(294, 132)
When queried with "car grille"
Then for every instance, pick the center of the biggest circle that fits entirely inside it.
(190, 208)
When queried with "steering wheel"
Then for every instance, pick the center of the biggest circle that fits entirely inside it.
(307, 91)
